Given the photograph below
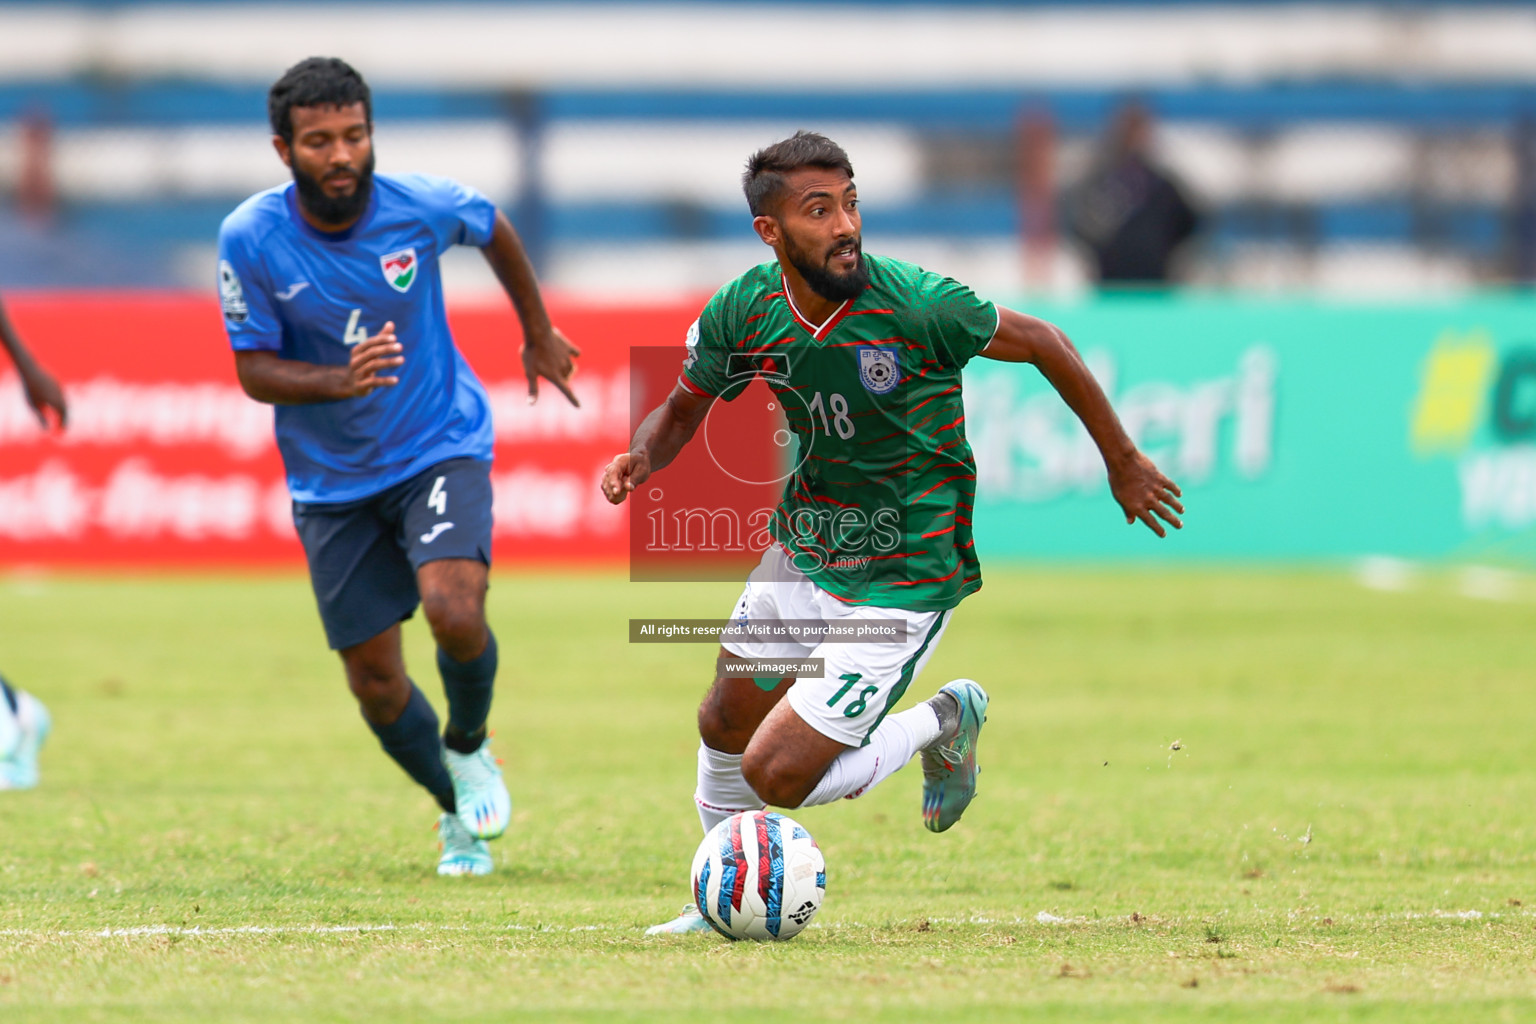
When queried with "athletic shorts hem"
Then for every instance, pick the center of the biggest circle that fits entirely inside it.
(753, 651)
(481, 555)
(345, 640)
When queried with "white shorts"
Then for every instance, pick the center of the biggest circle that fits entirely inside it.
(863, 679)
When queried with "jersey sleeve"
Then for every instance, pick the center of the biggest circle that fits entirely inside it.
(244, 294)
(954, 321)
(460, 215)
(707, 364)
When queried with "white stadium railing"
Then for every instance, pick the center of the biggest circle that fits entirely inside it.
(803, 47)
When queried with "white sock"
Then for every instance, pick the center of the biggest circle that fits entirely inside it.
(856, 772)
(722, 790)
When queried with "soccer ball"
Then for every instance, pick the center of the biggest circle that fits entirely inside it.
(759, 875)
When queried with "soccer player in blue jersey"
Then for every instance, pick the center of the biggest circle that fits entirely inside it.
(24, 722)
(334, 306)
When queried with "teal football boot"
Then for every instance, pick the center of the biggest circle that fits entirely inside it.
(949, 763)
(485, 808)
(19, 769)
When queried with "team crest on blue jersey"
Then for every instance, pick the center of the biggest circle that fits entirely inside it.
(879, 370)
(400, 269)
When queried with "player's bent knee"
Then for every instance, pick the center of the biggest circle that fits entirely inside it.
(367, 675)
(779, 782)
(458, 625)
(382, 694)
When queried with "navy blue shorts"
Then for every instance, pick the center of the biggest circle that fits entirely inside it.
(363, 555)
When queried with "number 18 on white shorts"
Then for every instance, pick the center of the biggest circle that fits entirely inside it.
(864, 679)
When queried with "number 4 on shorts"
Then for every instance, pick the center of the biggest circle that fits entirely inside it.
(437, 501)
(856, 706)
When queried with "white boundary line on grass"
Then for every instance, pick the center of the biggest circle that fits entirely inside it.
(1043, 917)
(152, 930)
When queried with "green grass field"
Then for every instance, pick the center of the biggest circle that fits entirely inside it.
(1344, 831)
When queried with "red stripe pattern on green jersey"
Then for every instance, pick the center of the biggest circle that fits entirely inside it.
(878, 510)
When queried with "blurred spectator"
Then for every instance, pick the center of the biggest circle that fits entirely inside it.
(35, 191)
(1130, 212)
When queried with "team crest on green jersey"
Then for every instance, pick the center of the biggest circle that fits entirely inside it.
(400, 269)
(879, 371)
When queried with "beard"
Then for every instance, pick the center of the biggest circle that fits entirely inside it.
(329, 209)
(824, 281)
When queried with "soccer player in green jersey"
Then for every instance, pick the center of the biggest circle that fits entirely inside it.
(865, 354)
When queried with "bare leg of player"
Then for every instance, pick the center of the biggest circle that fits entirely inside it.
(792, 765)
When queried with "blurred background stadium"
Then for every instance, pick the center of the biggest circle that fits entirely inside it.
(1345, 147)
(1291, 798)
(1345, 327)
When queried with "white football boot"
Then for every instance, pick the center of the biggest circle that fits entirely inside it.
(690, 920)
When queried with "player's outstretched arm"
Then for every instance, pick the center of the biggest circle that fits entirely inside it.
(267, 377)
(1143, 492)
(43, 392)
(546, 352)
(660, 437)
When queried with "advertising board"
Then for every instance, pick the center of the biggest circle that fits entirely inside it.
(1299, 430)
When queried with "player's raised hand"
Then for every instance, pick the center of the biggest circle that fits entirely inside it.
(1144, 493)
(371, 362)
(43, 393)
(552, 357)
(624, 474)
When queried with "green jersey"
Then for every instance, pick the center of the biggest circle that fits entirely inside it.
(877, 509)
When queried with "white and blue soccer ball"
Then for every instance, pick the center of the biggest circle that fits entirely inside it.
(759, 875)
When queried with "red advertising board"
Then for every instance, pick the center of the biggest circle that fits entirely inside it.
(166, 462)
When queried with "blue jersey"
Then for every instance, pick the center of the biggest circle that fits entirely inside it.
(310, 296)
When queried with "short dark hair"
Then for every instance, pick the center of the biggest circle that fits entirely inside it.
(315, 82)
(764, 181)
